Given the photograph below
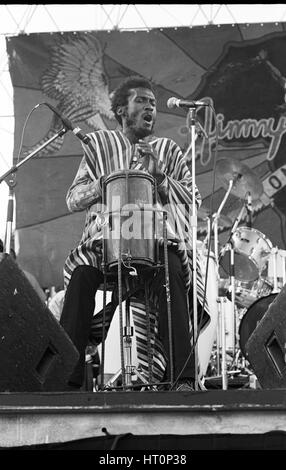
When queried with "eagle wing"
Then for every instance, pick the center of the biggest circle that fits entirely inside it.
(76, 80)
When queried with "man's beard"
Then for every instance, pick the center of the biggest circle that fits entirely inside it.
(139, 132)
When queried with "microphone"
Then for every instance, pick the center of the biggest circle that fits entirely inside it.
(176, 103)
(69, 125)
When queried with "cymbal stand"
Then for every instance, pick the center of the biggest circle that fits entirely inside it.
(232, 287)
(274, 253)
(229, 246)
(248, 206)
(220, 343)
(215, 219)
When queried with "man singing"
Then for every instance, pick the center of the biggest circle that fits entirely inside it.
(134, 147)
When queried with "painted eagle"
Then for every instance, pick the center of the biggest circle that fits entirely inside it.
(76, 79)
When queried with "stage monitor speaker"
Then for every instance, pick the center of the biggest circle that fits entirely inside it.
(36, 354)
(266, 347)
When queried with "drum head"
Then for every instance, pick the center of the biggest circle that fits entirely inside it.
(244, 268)
(251, 319)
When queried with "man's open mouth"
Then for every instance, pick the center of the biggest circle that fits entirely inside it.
(148, 118)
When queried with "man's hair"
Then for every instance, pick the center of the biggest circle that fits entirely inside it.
(121, 93)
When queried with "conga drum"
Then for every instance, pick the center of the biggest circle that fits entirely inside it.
(130, 231)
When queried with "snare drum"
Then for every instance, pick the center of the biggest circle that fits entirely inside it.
(251, 252)
(129, 232)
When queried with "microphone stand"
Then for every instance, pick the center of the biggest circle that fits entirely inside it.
(10, 178)
(194, 224)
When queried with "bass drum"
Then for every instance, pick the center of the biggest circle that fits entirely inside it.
(251, 319)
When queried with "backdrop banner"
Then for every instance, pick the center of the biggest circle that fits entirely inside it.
(239, 70)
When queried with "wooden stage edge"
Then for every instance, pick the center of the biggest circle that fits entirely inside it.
(36, 418)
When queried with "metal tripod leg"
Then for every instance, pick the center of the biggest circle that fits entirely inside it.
(128, 372)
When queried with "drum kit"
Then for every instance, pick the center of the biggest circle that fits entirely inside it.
(249, 274)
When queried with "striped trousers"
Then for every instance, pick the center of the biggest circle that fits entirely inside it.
(82, 325)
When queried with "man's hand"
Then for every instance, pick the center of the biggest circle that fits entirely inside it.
(149, 159)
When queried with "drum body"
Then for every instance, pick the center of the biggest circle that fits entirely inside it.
(251, 252)
(251, 319)
(247, 292)
(130, 228)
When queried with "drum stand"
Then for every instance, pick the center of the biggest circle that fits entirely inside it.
(128, 373)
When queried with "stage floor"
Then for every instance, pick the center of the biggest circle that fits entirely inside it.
(45, 418)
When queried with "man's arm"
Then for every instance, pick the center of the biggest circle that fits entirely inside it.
(185, 177)
(175, 169)
(84, 191)
(178, 176)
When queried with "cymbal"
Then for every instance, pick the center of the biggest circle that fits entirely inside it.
(244, 179)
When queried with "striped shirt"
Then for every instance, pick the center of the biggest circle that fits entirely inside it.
(109, 152)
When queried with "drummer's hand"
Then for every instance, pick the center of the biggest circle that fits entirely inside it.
(150, 160)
